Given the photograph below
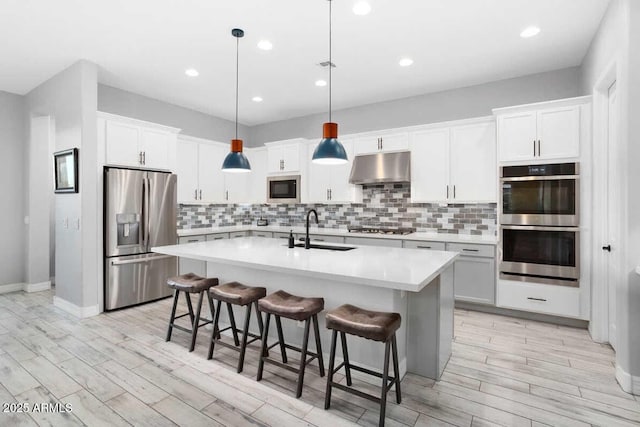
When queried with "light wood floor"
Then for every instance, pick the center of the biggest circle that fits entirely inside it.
(115, 369)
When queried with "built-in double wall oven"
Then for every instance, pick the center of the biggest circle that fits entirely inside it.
(539, 223)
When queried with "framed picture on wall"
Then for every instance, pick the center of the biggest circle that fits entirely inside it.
(66, 171)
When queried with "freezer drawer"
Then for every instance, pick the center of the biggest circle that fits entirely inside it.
(136, 279)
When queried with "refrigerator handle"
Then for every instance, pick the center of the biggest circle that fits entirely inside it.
(146, 202)
(143, 218)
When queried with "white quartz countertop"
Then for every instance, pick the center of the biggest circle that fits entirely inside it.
(393, 268)
(432, 237)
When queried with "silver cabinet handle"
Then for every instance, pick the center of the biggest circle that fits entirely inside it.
(330, 195)
(538, 148)
(226, 195)
(193, 240)
(200, 194)
(536, 299)
(140, 158)
(195, 194)
(140, 260)
(470, 250)
(454, 191)
(318, 240)
(327, 194)
(218, 238)
(447, 191)
(144, 157)
(534, 148)
(381, 144)
(423, 247)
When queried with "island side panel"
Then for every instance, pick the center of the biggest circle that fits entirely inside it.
(367, 353)
(430, 326)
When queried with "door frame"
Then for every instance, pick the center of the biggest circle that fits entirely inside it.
(599, 324)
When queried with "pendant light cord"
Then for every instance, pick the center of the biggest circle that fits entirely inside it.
(237, 68)
(330, 63)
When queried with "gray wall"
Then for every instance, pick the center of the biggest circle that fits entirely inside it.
(12, 228)
(70, 99)
(192, 123)
(463, 103)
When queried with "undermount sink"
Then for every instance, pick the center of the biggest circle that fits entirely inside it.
(327, 247)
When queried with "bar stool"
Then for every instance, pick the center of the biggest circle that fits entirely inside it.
(190, 284)
(235, 293)
(283, 304)
(372, 325)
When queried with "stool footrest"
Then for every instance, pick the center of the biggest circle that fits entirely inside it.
(390, 379)
(287, 366)
(356, 392)
(182, 328)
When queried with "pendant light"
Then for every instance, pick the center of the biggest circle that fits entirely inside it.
(329, 151)
(236, 161)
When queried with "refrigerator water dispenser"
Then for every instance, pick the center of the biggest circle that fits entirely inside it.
(128, 229)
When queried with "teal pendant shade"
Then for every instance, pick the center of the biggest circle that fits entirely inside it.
(330, 152)
(236, 162)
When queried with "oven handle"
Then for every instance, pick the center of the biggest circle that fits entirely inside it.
(539, 228)
(541, 178)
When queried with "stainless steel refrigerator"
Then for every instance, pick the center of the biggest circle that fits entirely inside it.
(139, 213)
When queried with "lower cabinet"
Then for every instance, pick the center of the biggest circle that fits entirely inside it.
(262, 234)
(474, 273)
(186, 265)
(421, 244)
(540, 298)
(237, 234)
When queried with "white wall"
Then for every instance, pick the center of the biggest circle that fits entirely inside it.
(463, 103)
(192, 123)
(70, 98)
(12, 228)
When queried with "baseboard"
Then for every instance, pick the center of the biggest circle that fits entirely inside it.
(629, 383)
(37, 287)
(27, 287)
(11, 287)
(548, 318)
(75, 310)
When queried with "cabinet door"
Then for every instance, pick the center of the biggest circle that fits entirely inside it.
(275, 159)
(319, 182)
(367, 145)
(155, 148)
(122, 144)
(338, 177)
(394, 142)
(210, 175)
(473, 163)
(517, 134)
(291, 157)
(430, 165)
(236, 187)
(187, 171)
(474, 279)
(258, 176)
(559, 133)
(188, 265)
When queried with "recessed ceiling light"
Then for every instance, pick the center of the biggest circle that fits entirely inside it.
(191, 72)
(405, 62)
(361, 8)
(321, 83)
(256, 99)
(265, 45)
(529, 32)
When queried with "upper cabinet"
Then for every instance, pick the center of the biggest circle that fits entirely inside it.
(257, 191)
(284, 156)
(135, 143)
(200, 177)
(381, 142)
(543, 131)
(455, 163)
(330, 183)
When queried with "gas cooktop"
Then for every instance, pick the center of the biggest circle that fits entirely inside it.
(381, 230)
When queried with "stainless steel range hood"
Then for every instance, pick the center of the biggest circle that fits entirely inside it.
(381, 167)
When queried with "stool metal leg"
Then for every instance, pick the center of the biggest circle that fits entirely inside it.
(396, 371)
(245, 333)
(283, 350)
(303, 357)
(259, 318)
(211, 309)
(215, 334)
(196, 322)
(316, 332)
(173, 313)
(345, 356)
(332, 359)
(189, 306)
(232, 320)
(263, 351)
(385, 379)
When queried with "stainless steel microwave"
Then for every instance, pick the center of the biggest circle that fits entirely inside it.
(283, 189)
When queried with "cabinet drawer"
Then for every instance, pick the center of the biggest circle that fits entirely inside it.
(278, 235)
(539, 298)
(419, 244)
(238, 234)
(217, 236)
(262, 234)
(367, 241)
(472, 250)
(324, 238)
(191, 239)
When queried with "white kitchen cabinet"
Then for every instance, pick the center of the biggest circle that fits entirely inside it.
(135, 143)
(283, 157)
(330, 183)
(257, 191)
(544, 133)
(188, 265)
(217, 236)
(383, 142)
(236, 187)
(540, 298)
(454, 163)
(255, 233)
(474, 273)
(200, 176)
(236, 234)
(421, 244)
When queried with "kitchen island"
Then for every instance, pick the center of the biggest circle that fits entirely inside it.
(417, 284)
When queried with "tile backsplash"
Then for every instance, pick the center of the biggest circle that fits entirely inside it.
(383, 205)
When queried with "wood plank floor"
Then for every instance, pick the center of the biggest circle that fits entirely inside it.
(116, 369)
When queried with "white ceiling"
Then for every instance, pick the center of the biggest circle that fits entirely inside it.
(144, 46)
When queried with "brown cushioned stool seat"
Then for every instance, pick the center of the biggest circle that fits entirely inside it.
(235, 293)
(282, 304)
(190, 284)
(372, 325)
